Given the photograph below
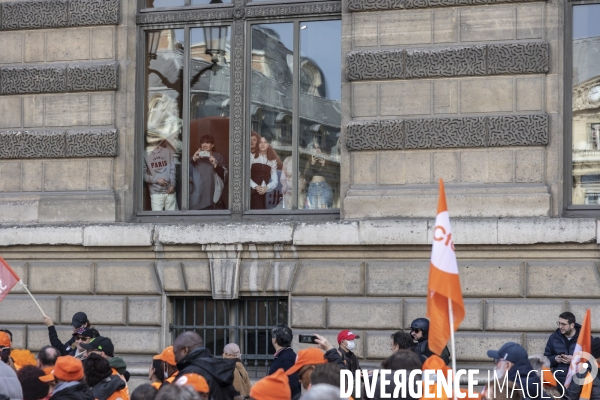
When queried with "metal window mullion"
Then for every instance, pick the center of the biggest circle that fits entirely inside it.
(185, 165)
(296, 115)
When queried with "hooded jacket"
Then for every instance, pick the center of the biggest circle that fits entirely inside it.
(217, 372)
(81, 391)
(285, 359)
(559, 344)
(9, 383)
(523, 374)
(105, 389)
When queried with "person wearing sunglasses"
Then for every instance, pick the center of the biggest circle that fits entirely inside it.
(419, 330)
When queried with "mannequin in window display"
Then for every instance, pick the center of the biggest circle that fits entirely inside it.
(316, 169)
(287, 176)
(159, 174)
(263, 173)
(207, 176)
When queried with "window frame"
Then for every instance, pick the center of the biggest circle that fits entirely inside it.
(570, 209)
(240, 210)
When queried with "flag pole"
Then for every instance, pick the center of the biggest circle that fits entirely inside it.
(453, 354)
(33, 298)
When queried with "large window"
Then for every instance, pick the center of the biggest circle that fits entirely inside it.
(239, 116)
(584, 98)
(248, 323)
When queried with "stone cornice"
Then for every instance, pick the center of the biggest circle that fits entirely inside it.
(285, 10)
(455, 132)
(382, 5)
(219, 13)
(57, 78)
(476, 60)
(59, 143)
(41, 14)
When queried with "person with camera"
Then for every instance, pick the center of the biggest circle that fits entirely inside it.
(285, 356)
(207, 176)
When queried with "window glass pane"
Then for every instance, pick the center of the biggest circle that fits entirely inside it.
(586, 104)
(320, 114)
(210, 1)
(162, 133)
(164, 3)
(209, 118)
(271, 116)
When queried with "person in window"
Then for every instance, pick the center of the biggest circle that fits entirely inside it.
(159, 174)
(263, 174)
(320, 194)
(207, 176)
(287, 176)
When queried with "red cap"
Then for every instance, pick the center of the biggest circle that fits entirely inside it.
(167, 356)
(198, 382)
(4, 339)
(310, 356)
(347, 335)
(67, 368)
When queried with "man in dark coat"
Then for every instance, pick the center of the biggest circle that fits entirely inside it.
(285, 356)
(193, 357)
(347, 345)
(561, 345)
(419, 330)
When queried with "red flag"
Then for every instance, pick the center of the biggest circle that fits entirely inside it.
(584, 345)
(8, 278)
(444, 282)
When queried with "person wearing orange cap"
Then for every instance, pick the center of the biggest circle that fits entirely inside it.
(197, 382)
(67, 374)
(169, 367)
(275, 386)
(5, 349)
(305, 364)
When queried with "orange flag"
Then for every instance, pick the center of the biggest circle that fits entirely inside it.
(444, 282)
(584, 344)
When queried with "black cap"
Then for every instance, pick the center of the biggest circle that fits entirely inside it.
(509, 351)
(100, 343)
(79, 319)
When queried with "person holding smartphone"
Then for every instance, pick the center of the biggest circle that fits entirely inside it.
(208, 173)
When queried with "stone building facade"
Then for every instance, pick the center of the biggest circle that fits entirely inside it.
(469, 91)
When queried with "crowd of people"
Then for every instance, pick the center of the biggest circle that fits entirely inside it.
(86, 368)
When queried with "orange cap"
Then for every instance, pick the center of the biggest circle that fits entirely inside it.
(167, 356)
(311, 356)
(4, 339)
(548, 378)
(434, 362)
(198, 382)
(273, 387)
(67, 368)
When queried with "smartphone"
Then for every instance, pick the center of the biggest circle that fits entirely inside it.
(204, 154)
(312, 339)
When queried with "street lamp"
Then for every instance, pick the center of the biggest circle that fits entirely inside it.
(153, 39)
(216, 39)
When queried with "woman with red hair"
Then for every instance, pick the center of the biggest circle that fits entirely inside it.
(263, 172)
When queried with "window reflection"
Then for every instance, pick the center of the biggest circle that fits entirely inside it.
(162, 156)
(586, 104)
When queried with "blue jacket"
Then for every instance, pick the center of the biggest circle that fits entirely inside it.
(559, 344)
(286, 359)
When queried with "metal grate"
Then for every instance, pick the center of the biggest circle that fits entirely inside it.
(246, 322)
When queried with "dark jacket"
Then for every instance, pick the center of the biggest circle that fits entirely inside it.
(529, 382)
(64, 348)
(422, 350)
(107, 387)
(559, 344)
(333, 357)
(574, 390)
(285, 359)
(78, 392)
(217, 372)
(119, 365)
(350, 360)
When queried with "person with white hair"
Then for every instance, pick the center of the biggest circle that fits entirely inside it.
(241, 380)
(322, 391)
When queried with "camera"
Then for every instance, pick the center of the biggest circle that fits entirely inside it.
(204, 154)
(312, 339)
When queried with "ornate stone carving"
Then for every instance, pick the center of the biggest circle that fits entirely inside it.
(438, 133)
(237, 116)
(496, 59)
(91, 143)
(372, 5)
(186, 16)
(93, 12)
(466, 61)
(34, 14)
(32, 144)
(375, 64)
(517, 58)
(518, 130)
(375, 135)
(282, 10)
(34, 79)
(86, 77)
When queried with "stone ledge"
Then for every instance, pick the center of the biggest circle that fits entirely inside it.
(380, 5)
(225, 233)
(118, 235)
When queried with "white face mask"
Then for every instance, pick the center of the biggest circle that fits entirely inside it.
(351, 345)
